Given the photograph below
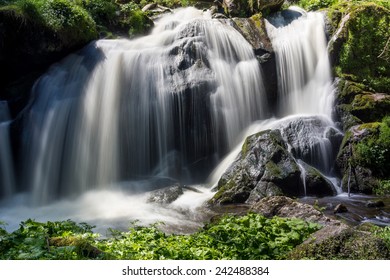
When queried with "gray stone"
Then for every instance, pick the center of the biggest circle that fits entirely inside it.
(165, 195)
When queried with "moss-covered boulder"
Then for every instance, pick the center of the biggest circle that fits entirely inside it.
(360, 45)
(358, 243)
(363, 159)
(355, 104)
(265, 167)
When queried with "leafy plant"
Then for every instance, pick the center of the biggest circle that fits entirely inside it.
(248, 237)
(35, 240)
(374, 151)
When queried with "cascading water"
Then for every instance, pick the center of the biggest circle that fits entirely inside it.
(303, 67)
(168, 105)
(305, 84)
(305, 93)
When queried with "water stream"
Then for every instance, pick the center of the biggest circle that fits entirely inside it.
(121, 118)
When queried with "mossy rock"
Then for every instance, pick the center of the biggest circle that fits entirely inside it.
(264, 168)
(349, 244)
(356, 105)
(364, 40)
(370, 107)
(363, 159)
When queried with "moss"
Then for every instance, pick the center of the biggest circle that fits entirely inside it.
(373, 151)
(274, 169)
(350, 244)
(258, 20)
(366, 39)
(71, 22)
(383, 188)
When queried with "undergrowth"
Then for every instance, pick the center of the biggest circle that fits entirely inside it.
(247, 237)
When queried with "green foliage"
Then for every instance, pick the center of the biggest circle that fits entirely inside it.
(360, 56)
(374, 151)
(32, 240)
(312, 5)
(70, 21)
(383, 188)
(248, 237)
(384, 234)
(134, 18)
(102, 11)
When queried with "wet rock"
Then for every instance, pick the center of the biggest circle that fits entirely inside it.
(312, 139)
(355, 176)
(375, 204)
(267, 164)
(165, 195)
(316, 184)
(264, 167)
(340, 208)
(286, 207)
(155, 11)
(254, 31)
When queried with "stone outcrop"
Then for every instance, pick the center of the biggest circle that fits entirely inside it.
(266, 167)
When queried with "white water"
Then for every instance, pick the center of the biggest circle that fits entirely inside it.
(122, 110)
(303, 67)
(305, 88)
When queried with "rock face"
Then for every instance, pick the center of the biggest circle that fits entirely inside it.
(356, 104)
(266, 167)
(244, 8)
(263, 168)
(25, 54)
(254, 31)
(356, 177)
(359, 46)
(313, 140)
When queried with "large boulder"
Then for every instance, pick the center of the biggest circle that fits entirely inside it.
(313, 139)
(356, 104)
(165, 195)
(343, 243)
(266, 167)
(357, 176)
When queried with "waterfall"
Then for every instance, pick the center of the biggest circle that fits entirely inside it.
(305, 94)
(303, 67)
(7, 179)
(169, 104)
(121, 116)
